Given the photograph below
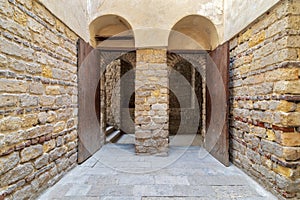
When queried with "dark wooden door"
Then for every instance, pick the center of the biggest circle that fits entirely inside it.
(89, 132)
(217, 96)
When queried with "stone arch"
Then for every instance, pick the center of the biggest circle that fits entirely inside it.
(111, 31)
(193, 32)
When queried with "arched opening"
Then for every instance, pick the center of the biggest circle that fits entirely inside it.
(193, 32)
(190, 41)
(111, 31)
(119, 99)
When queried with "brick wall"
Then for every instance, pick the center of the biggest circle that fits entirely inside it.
(38, 99)
(265, 99)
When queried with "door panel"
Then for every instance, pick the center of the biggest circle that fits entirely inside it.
(89, 132)
(217, 96)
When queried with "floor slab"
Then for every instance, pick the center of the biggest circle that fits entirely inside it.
(115, 172)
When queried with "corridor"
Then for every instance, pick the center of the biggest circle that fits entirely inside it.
(116, 173)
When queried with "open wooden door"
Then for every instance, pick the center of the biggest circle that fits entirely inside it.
(216, 140)
(89, 132)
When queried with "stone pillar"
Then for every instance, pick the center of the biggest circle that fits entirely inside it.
(151, 102)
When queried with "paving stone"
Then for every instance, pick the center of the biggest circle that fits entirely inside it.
(104, 176)
(78, 190)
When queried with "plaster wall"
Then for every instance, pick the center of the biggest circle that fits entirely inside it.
(154, 17)
(238, 14)
(73, 13)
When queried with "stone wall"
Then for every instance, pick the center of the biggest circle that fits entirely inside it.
(151, 102)
(38, 99)
(265, 99)
(112, 89)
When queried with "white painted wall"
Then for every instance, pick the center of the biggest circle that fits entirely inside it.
(152, 20)
(238, 14)
(72, 12)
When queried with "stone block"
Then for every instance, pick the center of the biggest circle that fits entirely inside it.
(160, 107)
(52, 116)
(258, 38)
(31, 152)
(7, 85)
(282, 74)
(49, 145)
(8, 162)
(10, 123)
(57, 153)
(36, 88)
(41, 161)
(30, 120)
(28, 100)
(271, 147)
(46, 71)
(7, 100)
(42, 117)
(35, 26)
(270, 135)
(288, 119)
(46, 100)
(14, 49)
(143, 134)
(285, 171)
(291, 139)
(42, 12)
(33, 132)
(16, 174)
(286, 106)
(23, 193)
(287, 87)
(59, 126)
(20, 17)
(52, 90)
(258, 131)
(151, 55)
(291, 153)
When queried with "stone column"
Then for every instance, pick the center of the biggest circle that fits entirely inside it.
(151, 102)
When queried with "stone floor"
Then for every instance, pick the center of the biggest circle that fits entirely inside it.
(116, 173)
(178, 140)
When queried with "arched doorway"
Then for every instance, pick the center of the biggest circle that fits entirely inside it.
(111, 37)
(193, 37)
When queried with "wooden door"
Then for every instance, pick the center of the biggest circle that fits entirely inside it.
(89, 132)
(217, 96)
